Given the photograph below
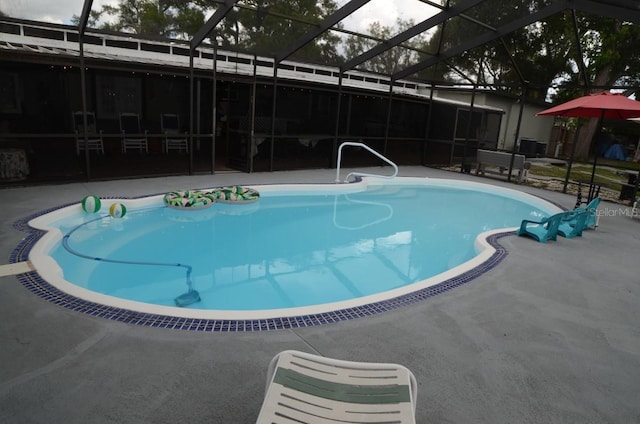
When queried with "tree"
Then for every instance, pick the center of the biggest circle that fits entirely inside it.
(544, 54)
(612, 57)
(391, 60)
(531, 56)
(94, 18)
(155, 18)
(265, 27)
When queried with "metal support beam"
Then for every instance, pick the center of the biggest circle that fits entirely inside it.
(191, 102)
(467, 134)
(198, 116)
(585, 77)
(523, 80)
(334, 150)
(83, 88)
(487, 37)
(82, 26)
(214, 117)
(412, 32)
(252, 124)
(580, 58)
(623, 10)
(428, 126)
(572, 155)
(213, 21)
(388, 122)
(328, 22)
(274, 106)
(523, 98)
(84, 17)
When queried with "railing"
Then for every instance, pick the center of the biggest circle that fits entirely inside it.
(45, 36)
(389, 213)
(363, 174)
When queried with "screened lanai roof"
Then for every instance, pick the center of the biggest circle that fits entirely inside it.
(419, 44)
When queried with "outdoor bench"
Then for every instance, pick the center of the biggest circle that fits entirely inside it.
(502, 160)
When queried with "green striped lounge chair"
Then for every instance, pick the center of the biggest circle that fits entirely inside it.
(305, 388)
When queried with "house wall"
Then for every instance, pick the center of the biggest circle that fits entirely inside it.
(531, 126)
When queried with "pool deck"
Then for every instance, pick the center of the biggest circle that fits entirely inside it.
(551, 335)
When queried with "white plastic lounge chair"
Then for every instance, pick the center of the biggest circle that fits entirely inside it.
(305, 388)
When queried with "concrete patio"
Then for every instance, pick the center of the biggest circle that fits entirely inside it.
(551, 335)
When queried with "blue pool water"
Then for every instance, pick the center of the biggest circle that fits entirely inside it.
(287, 250)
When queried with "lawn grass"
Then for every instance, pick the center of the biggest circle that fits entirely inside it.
(618, 164)
(609, 175)
(605, 175)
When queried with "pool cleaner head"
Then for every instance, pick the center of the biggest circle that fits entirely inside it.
(188, 298)
(191, 296)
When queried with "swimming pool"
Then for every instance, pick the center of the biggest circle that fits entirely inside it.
(302, 250)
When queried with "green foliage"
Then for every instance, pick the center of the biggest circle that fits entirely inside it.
(391, 60)
(94, 17)
(534, 55)
(154, 18)
(542, 54)
(611, 54)
(538, 56)
(265, 27)
(159, 18)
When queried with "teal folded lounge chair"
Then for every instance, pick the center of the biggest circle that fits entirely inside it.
(544, 230)
(305, 388)
(573, 223)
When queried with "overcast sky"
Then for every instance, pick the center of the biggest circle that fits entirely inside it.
(384, 11)
(56, 11)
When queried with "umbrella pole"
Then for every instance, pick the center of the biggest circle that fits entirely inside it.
(595, 159)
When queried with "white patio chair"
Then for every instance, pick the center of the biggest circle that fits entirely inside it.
(302, 387)
(94, 137)
(173, 139)
(133, 138)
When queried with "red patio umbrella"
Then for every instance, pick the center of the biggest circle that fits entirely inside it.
(597, 105)
(603, 105)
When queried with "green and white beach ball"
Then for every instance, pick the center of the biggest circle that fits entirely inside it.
(91, 204)
(117, 210)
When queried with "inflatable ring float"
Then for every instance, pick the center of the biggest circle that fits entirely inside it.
(235, 194)
(188, 199)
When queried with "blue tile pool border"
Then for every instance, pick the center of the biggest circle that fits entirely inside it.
(37, 285)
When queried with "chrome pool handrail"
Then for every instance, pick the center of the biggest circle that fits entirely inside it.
(363, 174)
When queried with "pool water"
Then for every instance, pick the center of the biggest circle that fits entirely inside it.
(288, 250)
